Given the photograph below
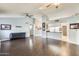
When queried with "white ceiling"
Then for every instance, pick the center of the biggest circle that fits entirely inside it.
(18, 7)
(64, 10)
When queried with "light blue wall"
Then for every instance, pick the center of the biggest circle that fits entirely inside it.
(73, 33)
(4, 34)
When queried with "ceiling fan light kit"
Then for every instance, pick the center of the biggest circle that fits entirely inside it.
(50, 5)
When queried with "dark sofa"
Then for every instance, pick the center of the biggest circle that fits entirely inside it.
(20, 35)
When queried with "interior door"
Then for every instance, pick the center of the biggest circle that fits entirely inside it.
(65, 31)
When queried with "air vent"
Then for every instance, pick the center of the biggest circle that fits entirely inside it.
(29, 15)
(76, 14)
(57, 20)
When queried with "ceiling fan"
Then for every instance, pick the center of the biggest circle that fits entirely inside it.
(27, 15)
(50, 5)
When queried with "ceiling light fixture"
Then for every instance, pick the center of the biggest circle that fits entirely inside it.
(49, 5)
(45, 6)
(56, 5)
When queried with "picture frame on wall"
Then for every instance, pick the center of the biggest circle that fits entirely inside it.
(5, 27)
(43, 26)
(74, 26)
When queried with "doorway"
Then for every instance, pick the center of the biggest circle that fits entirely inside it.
(65, 31)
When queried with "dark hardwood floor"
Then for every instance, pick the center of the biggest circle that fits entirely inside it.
(37, 46)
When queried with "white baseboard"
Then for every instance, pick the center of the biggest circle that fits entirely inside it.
(5, 39)
(73, 42)
(66, 41)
